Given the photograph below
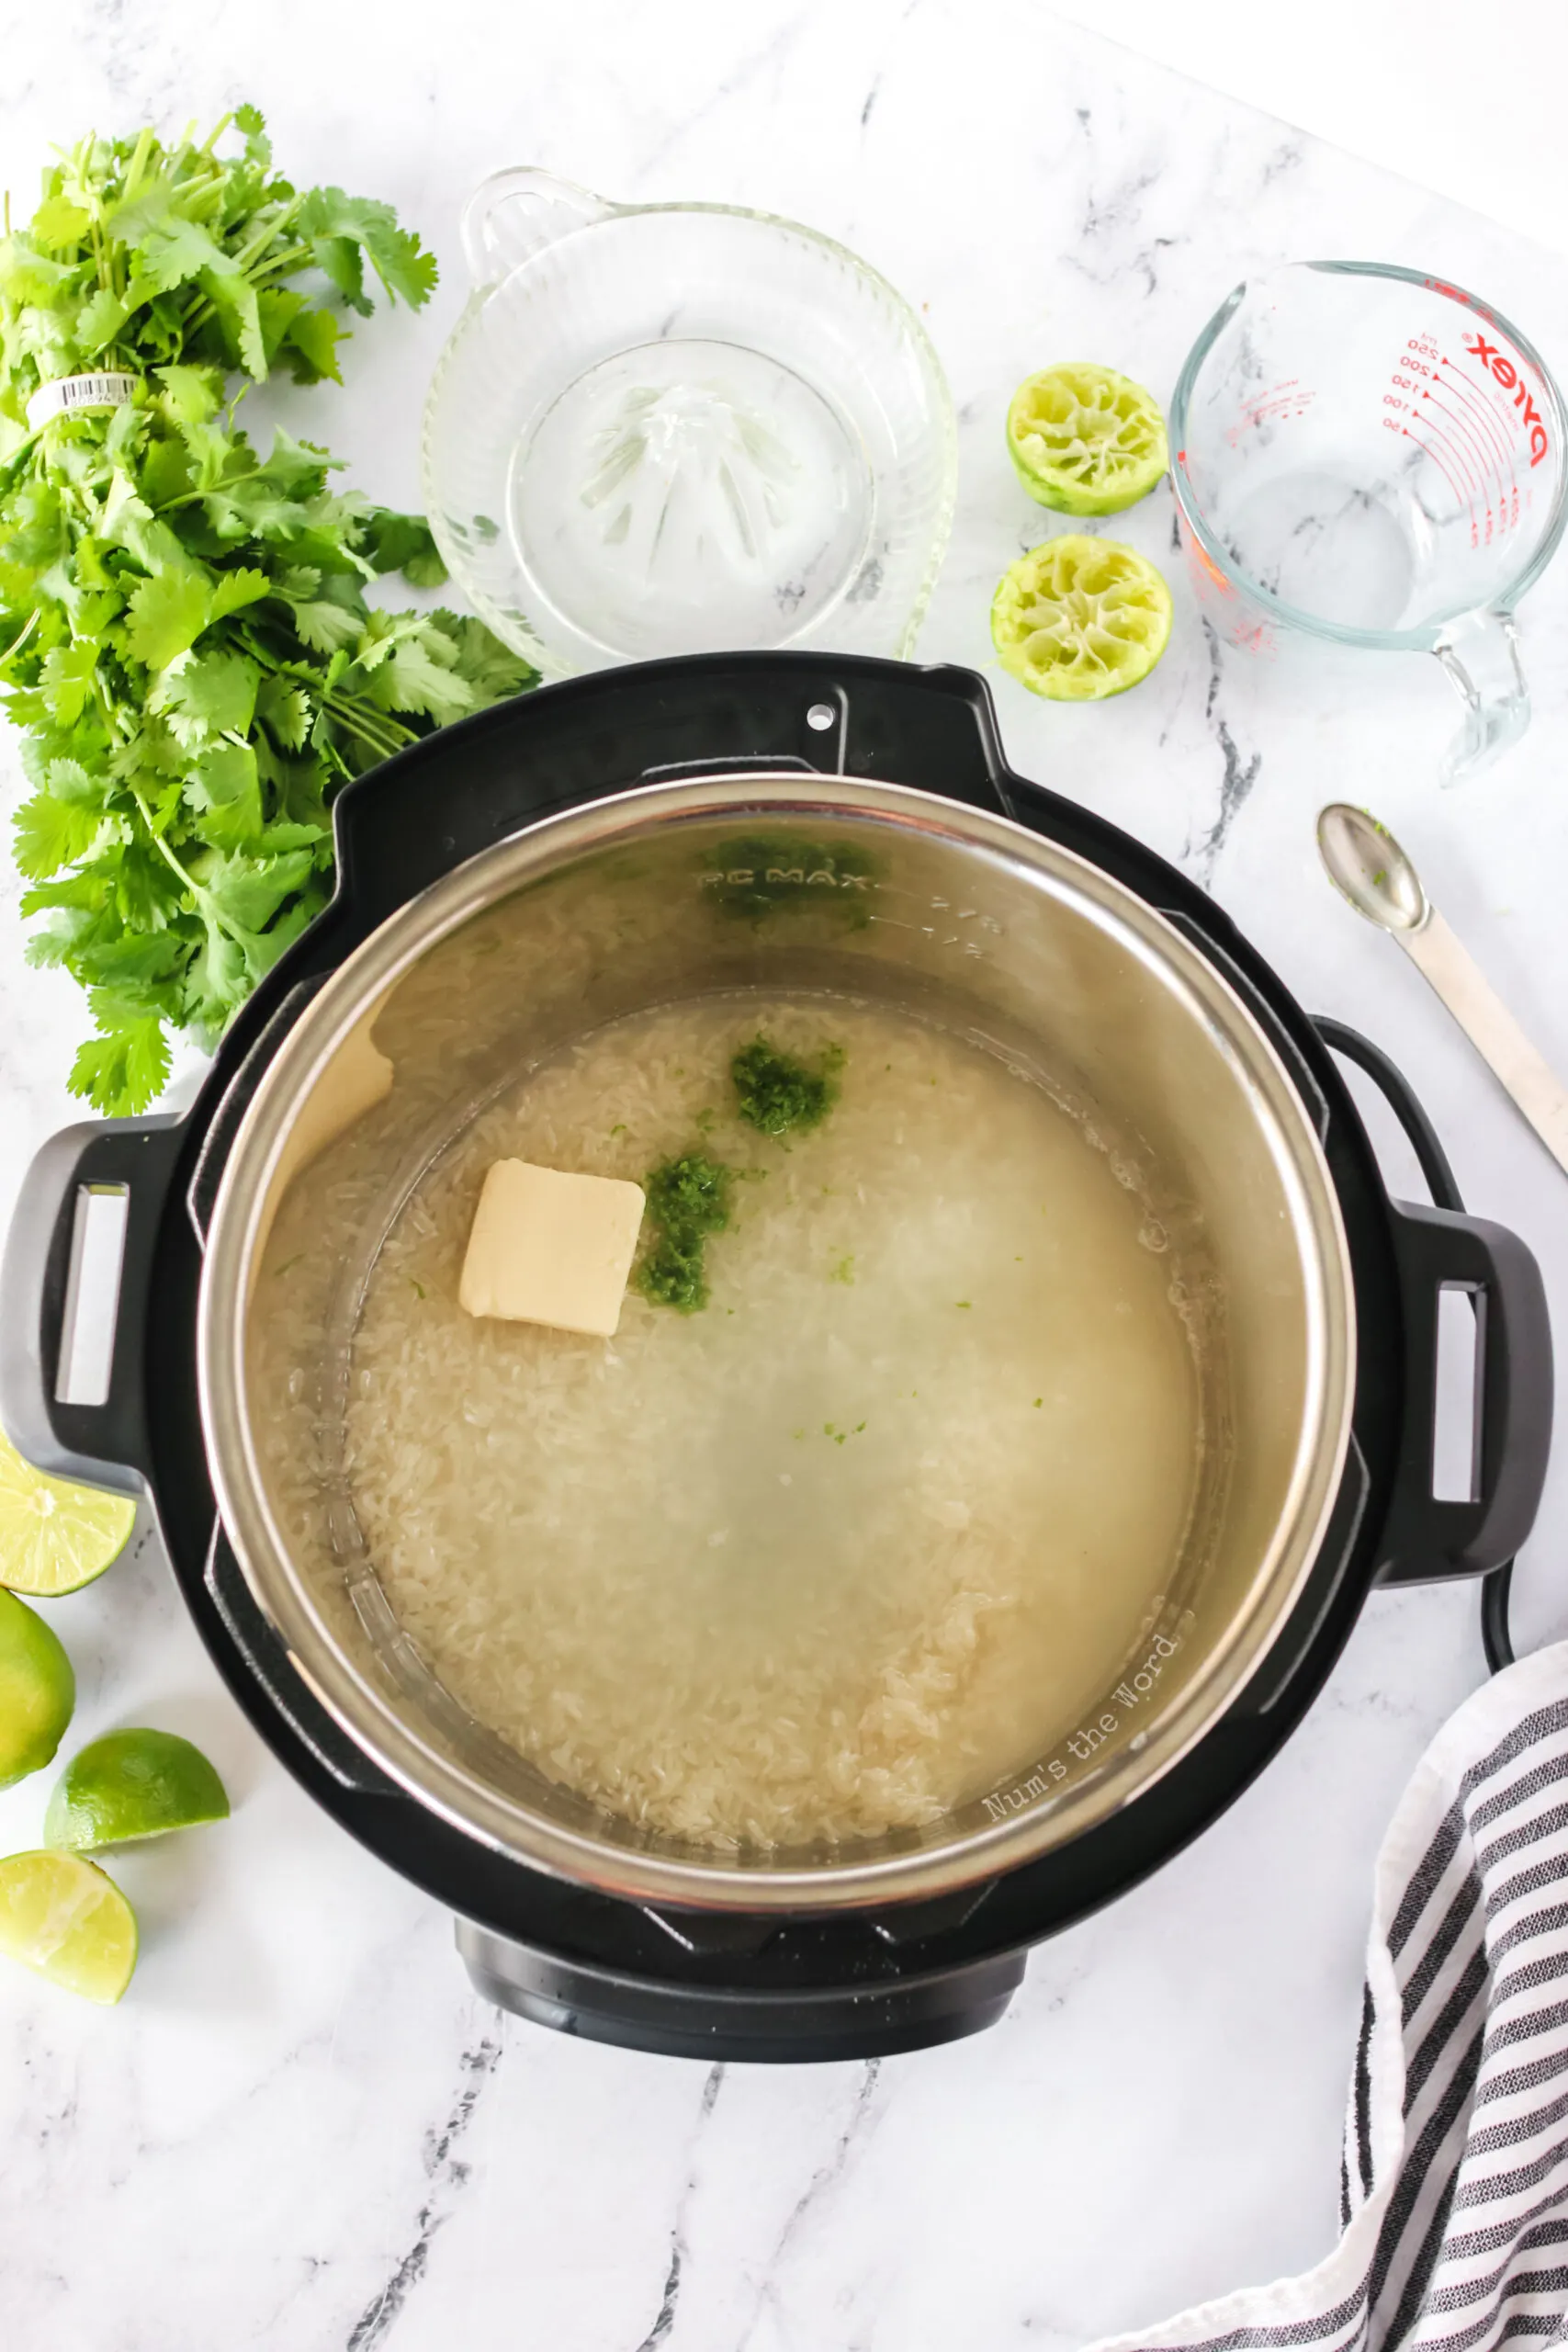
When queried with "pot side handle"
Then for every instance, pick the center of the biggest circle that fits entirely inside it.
(1426, 1538)
(102, 1441)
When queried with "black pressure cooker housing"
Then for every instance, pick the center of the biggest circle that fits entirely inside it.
(733, 1984)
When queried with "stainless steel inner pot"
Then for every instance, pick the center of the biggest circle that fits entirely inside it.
(783, 882)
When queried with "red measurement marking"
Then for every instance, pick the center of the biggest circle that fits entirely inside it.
(1460, 383)
(1467, 438)
(1462, 496)
(1462, 466)
(1281, 400)
(1202, 560)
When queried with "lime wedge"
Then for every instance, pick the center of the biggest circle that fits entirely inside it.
(1086, 440)
(1080, 618)
(65, 1917)
(38, 1690)
(55, 1537)
(132, 1784)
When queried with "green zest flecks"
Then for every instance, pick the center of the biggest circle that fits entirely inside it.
(688, 1201)
(776, 1092)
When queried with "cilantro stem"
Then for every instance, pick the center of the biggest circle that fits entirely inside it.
(17, 642)
(378, 732)
(162, 846)
(202, 899)
(291, 257)
(273, 227)
(213, 489)
(137, 164)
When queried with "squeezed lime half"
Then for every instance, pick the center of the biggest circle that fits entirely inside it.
(134, 1783)
(67, 1919)
(1080, 618)
(38, 1690)
(1086, 440)
(55, 1537)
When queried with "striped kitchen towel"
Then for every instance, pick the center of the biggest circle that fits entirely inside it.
(1454, 2191)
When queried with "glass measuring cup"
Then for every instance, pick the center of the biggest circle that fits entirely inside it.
(1377, 457)
(673, 428)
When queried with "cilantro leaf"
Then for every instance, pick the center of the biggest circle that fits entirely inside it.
(171, 257)
(415, 676)
(236, 589)
(402, 543)
(492, 669)
(233, 299)
(124, 1068)
(65, 680)
(285, 711)
(168, 613)
(326, 627)
(98, 321)
(190, 394)
(48, 833)
(310, 344)
(223, 788)
(58, 223)
(209, 694)
(341, 228)
(258, 146)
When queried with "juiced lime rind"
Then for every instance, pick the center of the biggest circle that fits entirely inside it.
(1085, 440)
(56, 1537)
(38, 1690)
(66, 1918)
(132, 1784)
(1079, 619)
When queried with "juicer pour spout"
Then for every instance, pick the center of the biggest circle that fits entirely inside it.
(516, 213)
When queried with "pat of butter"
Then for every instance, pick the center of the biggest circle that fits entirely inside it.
(549, 1247)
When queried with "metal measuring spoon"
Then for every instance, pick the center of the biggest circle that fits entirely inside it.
(1368, 866)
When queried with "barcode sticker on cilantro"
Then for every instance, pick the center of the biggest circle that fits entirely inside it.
(66, 394)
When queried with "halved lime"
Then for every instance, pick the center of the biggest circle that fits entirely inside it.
(132, 1784)
(1080, 618)
(1086, 440)
(55, 1537)
(67, 1919)
(38, 1690)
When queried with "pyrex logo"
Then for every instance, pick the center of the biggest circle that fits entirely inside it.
(1508, 376)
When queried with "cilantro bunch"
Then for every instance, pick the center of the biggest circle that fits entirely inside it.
(184, 630)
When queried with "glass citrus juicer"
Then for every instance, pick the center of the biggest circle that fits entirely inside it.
(661, 428)
(1374, 456)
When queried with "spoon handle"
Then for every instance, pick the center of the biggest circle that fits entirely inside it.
(1492, 1030)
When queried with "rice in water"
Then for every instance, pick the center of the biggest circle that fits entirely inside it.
(855, 1542)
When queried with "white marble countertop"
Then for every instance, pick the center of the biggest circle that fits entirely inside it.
(301, 2130)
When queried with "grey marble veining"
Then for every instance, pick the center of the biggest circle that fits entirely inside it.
(301, 2130)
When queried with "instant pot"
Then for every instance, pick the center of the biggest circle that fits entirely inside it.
(662, 830)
